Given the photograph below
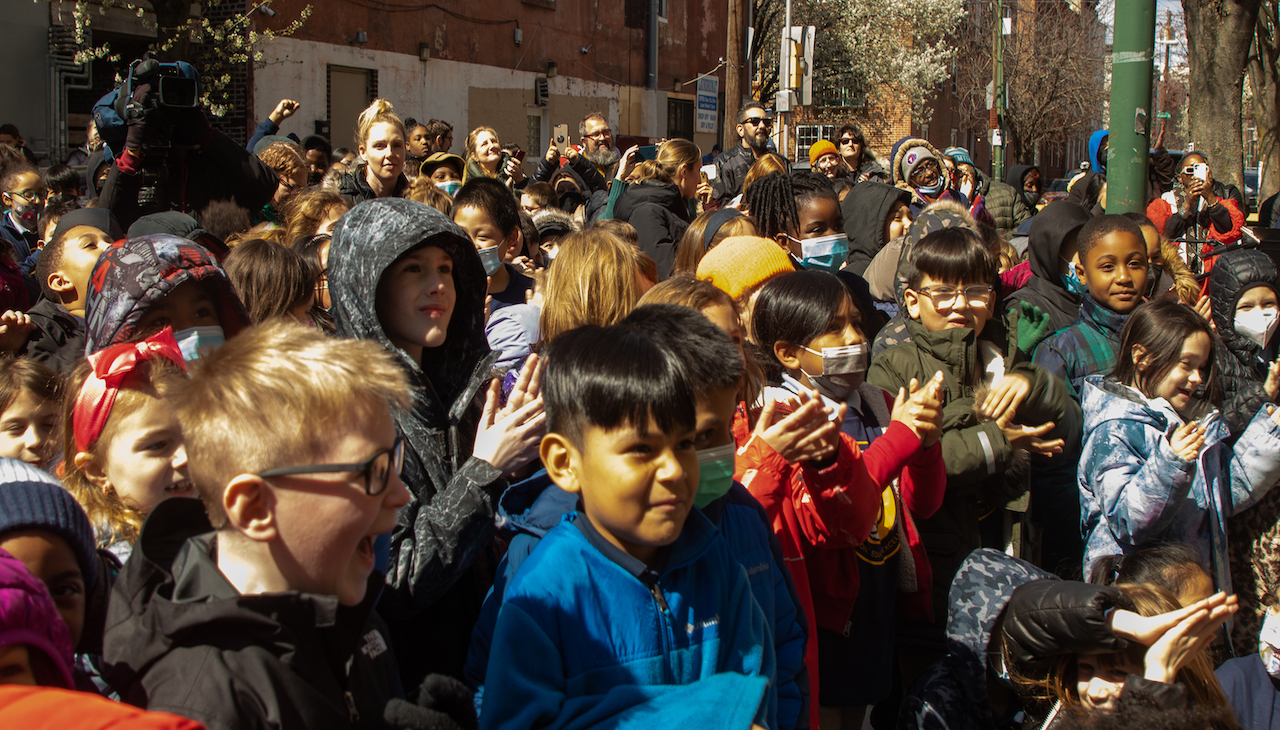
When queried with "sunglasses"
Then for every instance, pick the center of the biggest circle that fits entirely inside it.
(758, 121)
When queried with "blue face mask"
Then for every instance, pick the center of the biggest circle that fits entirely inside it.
(195, 340)
(827, 253)
(715, 474)
(932, 192)
(490, 259)
(1073, 285)
(450, 187)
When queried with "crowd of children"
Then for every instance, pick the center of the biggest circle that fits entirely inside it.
(443, 446)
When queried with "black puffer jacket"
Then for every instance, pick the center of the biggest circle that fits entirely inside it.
(354, 185)
(865, 209)
(180, 638)
(1049, 231)
(1242, 364)
(660, 217)
(434, 589)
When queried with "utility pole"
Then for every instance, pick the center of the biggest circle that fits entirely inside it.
(1132, 56)
(734, 64)
(784, 81)
(997, 97)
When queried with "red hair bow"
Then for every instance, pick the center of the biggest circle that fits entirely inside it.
(110, 368)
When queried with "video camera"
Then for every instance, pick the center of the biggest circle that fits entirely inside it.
(175, 87)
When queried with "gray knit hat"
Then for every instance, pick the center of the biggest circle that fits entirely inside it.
(30, 498)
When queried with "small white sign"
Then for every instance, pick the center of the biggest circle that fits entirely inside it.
(996, 139)
(708, 104)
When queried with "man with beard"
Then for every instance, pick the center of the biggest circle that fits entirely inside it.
(584, 177)
(754, 126)
(597, 144)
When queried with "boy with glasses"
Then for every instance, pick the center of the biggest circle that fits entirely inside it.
(755, 124)
(254, 606)
(996, 408)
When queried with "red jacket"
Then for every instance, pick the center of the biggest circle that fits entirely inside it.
(821, 515)
(1159, 211)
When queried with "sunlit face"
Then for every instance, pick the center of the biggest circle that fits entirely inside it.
(26, 429)
(943, 305)
(1031, 182)
(288, 185)
(850, 148)
(384, 148)
(415, 300)
(145, 461)
(51, 559)
(1115, 270)
(898, 222)
(637, 484)
(81, 247)
(483, 231)
(820, 217)
(328, 520)
(845, 329)
(1259, 297)
(528, 205)
(1100, 678)
(488, 149)
(419, 143)
(598, 137)
(828, 164)
(1179, 385)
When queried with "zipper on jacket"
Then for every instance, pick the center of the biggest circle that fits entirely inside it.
(664, 629)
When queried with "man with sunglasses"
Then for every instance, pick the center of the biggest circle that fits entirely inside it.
(755, 124)
(254, 605)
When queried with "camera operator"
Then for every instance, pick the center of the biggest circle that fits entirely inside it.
(173, 159)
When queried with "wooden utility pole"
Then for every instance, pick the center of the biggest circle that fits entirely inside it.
(733, 73)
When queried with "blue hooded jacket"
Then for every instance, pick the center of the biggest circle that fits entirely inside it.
(590, 637)
(1095, 141)
(535, 506)
(1135, 491)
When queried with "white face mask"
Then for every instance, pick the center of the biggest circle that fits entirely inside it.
(841, 368)
(1258, 324)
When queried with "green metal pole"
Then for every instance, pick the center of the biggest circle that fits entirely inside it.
(997, 96)
(1128, 149)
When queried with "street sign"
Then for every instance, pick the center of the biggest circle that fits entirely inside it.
(708, 107)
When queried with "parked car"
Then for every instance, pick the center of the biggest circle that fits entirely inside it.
(1056, 191)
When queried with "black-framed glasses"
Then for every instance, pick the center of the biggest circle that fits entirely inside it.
(758, 121)
(376, 470)
(942, 296)
(599, 134)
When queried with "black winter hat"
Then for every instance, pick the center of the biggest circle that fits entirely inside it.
(30, 498)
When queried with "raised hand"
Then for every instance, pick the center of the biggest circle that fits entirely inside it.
(285, 109)
(1187, 440)
(15, 327)
(806, 434)
(1006, 396)
(509, 439)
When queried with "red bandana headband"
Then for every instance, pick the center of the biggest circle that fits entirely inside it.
(110, 367)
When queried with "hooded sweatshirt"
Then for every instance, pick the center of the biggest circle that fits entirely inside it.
(1049, 231)
(433, 594)
(1135, 491)
(127, 282)
(1015, 178)
(660, 217)
(1242, 364)
(952, 694)
(865, 209)
(1096, 163)
(181, 639)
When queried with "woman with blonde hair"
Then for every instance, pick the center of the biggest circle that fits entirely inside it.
(597, 279)
(485, 158)
(380, 172)
(662, 200)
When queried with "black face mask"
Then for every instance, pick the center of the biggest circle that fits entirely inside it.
(1154, 272)
(314, 178)
(570, 200)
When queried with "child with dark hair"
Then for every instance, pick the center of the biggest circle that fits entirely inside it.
(715, 368)
(1113, 269)
(1053, 251)
(575, 644)
(487, 211)
(996, 405)
(810, 330)
(63, 183)
(1156, 467)
(30, 399)
(23, 194)
(874, 214)
(272, 281)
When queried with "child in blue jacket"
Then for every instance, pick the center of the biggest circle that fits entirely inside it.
(533, 507)
(1150, 472)
(633, 609)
